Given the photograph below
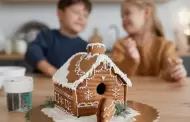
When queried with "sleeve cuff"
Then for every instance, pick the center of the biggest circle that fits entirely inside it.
(33, 57)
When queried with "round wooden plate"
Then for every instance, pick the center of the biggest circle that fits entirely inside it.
(147, 113)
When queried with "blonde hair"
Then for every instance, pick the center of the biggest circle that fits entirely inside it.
(157, 26)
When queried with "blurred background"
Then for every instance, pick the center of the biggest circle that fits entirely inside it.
(21, 20)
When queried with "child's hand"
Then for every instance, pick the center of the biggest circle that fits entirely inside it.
(176, 70)
(131, 49)
(45, 67)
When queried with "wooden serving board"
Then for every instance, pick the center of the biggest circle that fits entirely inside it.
(147, 113)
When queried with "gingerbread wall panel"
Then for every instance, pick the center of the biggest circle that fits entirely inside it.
(63, 97)
(63, 102)
(87, 111)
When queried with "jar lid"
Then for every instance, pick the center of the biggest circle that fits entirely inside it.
(18, 84)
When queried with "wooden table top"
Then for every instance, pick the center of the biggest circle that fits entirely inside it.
(13, 56)
(172, 102)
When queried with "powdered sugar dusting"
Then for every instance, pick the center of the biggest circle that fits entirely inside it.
(60, 116)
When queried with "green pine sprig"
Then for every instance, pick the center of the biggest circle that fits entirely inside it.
(27, 116)
(121, 110)
(49, 102)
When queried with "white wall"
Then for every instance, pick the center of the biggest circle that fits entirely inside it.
(12, 16)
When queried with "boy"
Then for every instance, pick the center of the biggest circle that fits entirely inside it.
(52, 48)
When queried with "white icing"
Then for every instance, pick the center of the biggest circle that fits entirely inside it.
(89, 104)
(88, 94)
(156, 120)
(99, 45)
(76, 102)
(61, 101)
(119, 101)
(60, 116)
(89, 56)
(67, 105)
(77, 66)
(56, 96)
(116, 79)
(103, 78)
(61, 75)
(60, 91)
(86, 84)
(109, 109)
(105, 60)
(116, 92)
(101, 69)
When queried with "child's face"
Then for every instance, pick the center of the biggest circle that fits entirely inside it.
(74, 18)
(133, 18)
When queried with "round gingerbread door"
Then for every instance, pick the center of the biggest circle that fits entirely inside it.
(101, 88)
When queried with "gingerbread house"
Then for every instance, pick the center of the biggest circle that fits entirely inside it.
(85, 79)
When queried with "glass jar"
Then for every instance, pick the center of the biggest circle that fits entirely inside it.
(19, 93)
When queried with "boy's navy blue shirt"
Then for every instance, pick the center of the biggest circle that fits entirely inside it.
(54, 47)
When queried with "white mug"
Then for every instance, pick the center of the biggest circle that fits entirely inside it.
(10, 71)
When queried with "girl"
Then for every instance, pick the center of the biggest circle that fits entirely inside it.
(146, 51)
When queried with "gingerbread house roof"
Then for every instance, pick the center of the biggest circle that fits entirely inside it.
(81, 66)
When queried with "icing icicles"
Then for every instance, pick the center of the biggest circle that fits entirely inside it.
(105, 60)
(61, 75)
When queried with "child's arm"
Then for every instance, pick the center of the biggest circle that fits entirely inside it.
(123, 61)
(36, 52)
(46, 68)
(173, 69)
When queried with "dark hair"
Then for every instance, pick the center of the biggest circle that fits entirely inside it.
(62, 4)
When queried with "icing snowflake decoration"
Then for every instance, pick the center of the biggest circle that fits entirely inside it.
(88, 94)
(116, 92)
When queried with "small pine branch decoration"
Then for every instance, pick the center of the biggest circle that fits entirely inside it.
(121, 110)
(49, 102)
(27, 116)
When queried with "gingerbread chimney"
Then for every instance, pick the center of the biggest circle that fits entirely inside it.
(94, 48)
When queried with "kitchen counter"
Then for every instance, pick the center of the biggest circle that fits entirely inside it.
(172, 102)
(14, 59)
